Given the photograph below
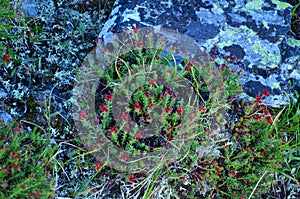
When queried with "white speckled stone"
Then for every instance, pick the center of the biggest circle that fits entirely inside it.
(255, 31)
(5, 117)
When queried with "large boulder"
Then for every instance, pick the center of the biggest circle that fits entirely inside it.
(256, 32)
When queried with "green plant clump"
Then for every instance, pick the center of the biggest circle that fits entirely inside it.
(25, 167)
(263, 145)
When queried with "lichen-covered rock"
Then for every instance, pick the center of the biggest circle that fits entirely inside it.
(254, 31)
(30, 7)
(3, 94)
(5, 117)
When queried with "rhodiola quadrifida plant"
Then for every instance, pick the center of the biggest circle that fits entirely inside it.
(241, 164)
(145, 82)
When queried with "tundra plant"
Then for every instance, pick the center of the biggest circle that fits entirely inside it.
(143, 97)
(25, 170)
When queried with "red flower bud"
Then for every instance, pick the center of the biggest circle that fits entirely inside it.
(188, 68)
(135, 29)
(151, 105)
(137, 106)
(267, 112)
(97, 166)
(152, 82)
(181, 177)
(258, 99)
(140, 44)
(125, 116)
(82, 115)
(167, 109)
(218, 169)
(179, 111)
(147, 94)
(266, 93)
(169, 136)
(202, 109)
(6, 58)
(234, 173)
(113, 129)
(192, 62)
(168, 92)
(123, 158)
(103, 108)
(269, 119)
(257, 117)
(138, 136)
(148, 118)
(131, 178)
(108, 97)
(262, 154)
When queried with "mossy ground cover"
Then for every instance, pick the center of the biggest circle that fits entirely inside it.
(42, 155)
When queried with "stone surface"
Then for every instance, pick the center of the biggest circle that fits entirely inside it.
(30, 7)
(255, 31)
(5, 117)
(3, 94)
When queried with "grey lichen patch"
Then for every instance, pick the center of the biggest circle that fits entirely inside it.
(3, 94)
(261, 53)
(281, 5)
(270, 54)
(253, 5)
(217, 9)
(5, 117)
(210, 16)
(111, 22)
(295, 73)
(293, 42)
(30, 7)
(131, 14)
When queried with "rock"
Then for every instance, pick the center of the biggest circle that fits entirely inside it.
(5, 117)
(254, 31)
(30, 7)
(3, 94)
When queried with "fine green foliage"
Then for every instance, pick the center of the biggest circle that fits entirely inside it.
(25, 170)
(133, 80)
